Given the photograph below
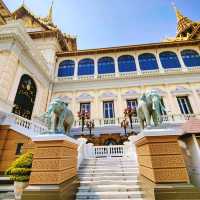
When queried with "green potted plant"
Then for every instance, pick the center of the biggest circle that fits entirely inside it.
(19, 172)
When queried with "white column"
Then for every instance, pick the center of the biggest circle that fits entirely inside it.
(137, 63)
(195, 103)
(184, 68)
(119, 104)
(95, 67)
(161, 69)
(76, 70)
(116, 66)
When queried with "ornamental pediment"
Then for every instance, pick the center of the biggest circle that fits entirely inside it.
(159, 91)
(181, 91)
(84, 97)
(108, 95)
(131, 94)
(66, 99)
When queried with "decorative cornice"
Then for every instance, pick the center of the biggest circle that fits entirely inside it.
(50, 33)
(15, 30)
(181, 91)
(128, 48)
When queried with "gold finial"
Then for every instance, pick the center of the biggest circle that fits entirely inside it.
(50, 13)
(179, 16)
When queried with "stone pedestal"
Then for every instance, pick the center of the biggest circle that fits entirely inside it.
(160, 157)
(54, 168)
(162, 166)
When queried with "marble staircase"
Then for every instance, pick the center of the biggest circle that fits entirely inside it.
(6, 188)
(109, 178)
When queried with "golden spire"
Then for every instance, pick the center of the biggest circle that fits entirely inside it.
(179, 16)
(50, 13)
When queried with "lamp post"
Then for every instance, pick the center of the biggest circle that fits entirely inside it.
(90, 125)
(130, 112)
(83, 115)
(124, 125)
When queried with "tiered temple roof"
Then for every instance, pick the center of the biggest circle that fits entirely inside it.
(186, 28)
(41, 27)
(4, 13)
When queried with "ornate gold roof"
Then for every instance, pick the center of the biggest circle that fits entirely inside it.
(45, 22)
(4, 13)
(186, 28)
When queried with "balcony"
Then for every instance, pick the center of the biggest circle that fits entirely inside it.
(110, 125)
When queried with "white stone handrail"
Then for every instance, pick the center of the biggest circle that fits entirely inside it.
(172, 118)
(109, 151)
(22, 125)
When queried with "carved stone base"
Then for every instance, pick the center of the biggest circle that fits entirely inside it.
(169, 191)
(64, 191)
(160, 157)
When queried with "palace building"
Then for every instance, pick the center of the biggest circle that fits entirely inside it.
(39, 62)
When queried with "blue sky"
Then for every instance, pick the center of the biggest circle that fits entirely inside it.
(106, 23)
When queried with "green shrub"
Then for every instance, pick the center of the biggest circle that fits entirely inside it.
(20, 169)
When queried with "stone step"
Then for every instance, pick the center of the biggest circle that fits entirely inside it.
(109, 167)
(5, 180)
(7, 196)
(109, 162)
(109, 182)
(109, 195)
(117, 199)
(110, 178)
(130, 170)
(6, 188)
(109, 188)
(96, 174)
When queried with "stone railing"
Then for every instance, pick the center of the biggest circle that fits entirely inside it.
(109, 151)
(22, 125)
(29, 127)
(176, 118)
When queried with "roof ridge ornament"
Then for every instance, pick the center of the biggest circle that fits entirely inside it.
(50, 13)
(179, 15)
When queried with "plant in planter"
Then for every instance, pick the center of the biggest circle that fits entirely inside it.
(19, 172)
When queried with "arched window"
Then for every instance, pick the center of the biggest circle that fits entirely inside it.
(66, 68)
(169, 60)
(86, 67)
(191, 58)
(126, 63)
(25, 97)
(147, 61)
(106, 65)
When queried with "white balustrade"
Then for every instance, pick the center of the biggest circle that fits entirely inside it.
(174, 119)
(109, 151)
(23, 125)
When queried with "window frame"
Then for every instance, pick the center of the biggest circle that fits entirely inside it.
(64, 73)
(90, 68)
(131, 65)
(84, 104)
(110, 109)
(102, 66)
(19, 148)
(187, 105)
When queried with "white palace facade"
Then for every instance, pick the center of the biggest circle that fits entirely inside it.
(38, 62)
